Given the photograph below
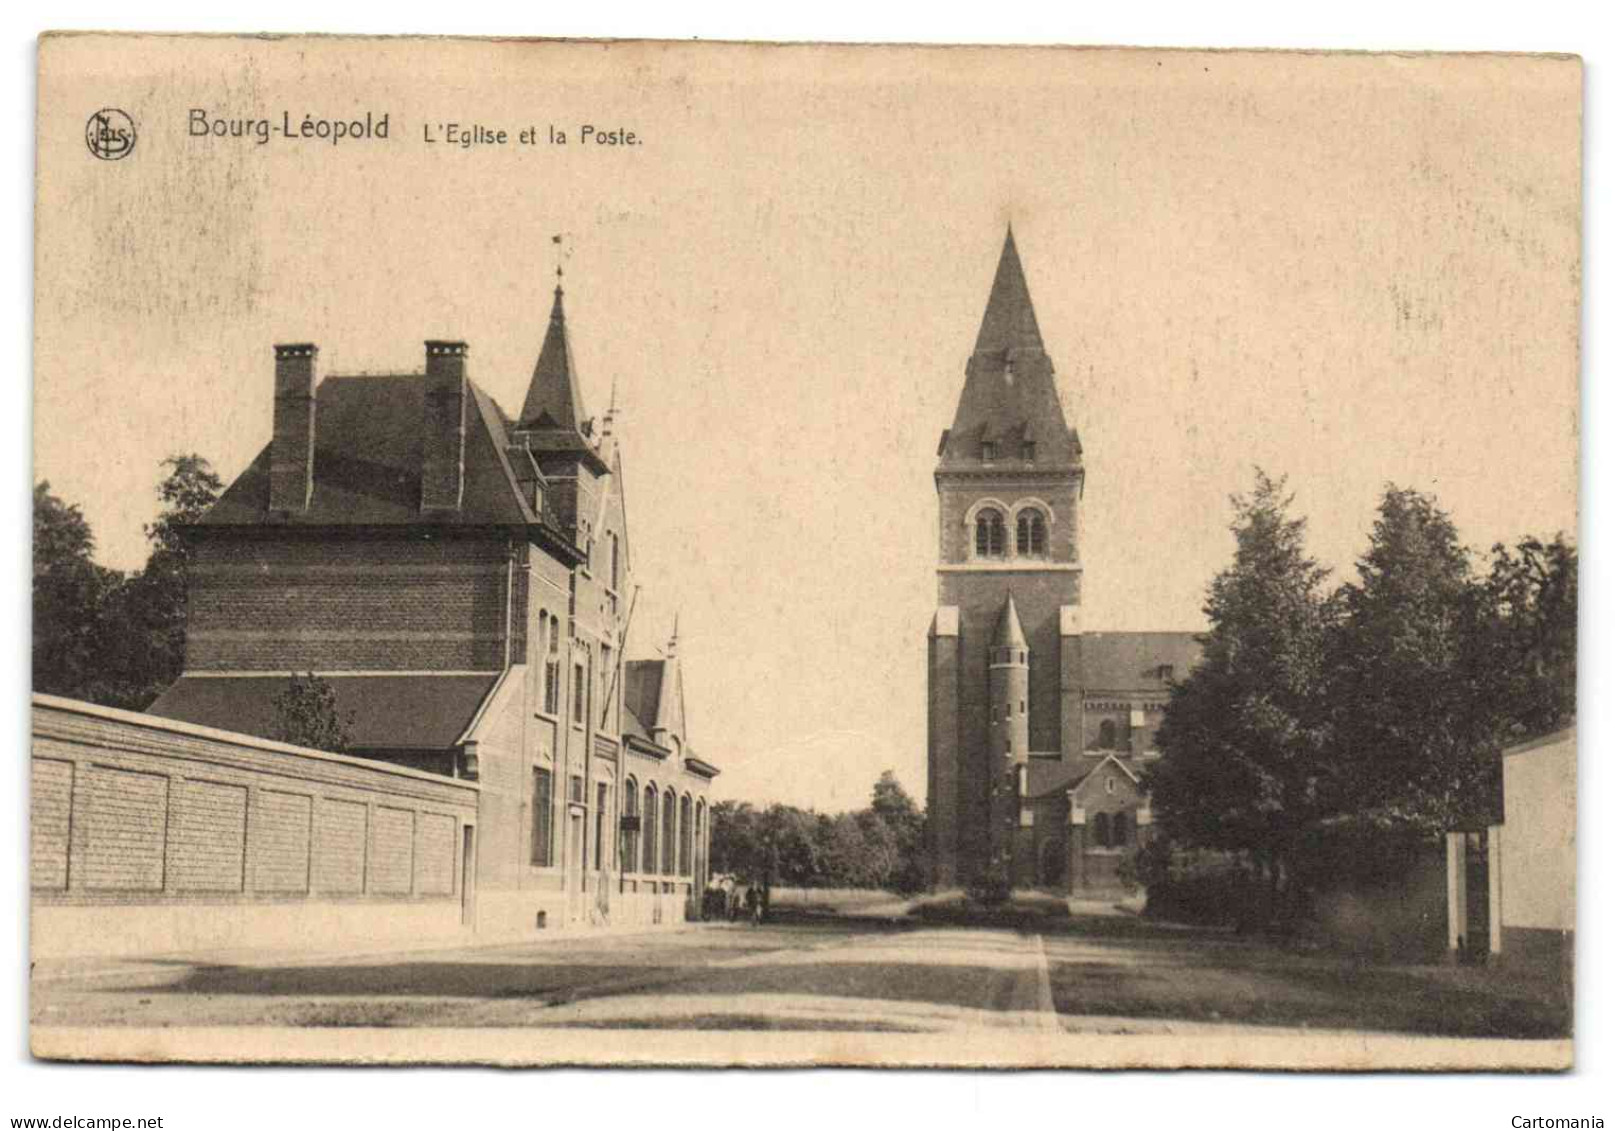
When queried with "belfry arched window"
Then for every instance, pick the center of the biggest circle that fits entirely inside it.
(989, 533)
(1107, 735)
(1031, 534)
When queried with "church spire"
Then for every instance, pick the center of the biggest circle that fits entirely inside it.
(1009, 413)
(1009, 323)
(553, 399)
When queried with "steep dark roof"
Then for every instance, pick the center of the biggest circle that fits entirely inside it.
(552, 419)
(654, 691)
(396, 712)
(1009, 323)
(633, 727)
(642, 691)
(1132, 661)
(553, 399)
(1009, 395)
(1046, 776)
(1009, 634)
(367, 463)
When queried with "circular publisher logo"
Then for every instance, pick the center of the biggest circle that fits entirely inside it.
(110, 134)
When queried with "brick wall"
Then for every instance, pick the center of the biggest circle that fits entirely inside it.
(979, 598)
(139, 814)
(347, 603)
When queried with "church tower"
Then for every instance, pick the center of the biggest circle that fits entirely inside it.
(1009, 481)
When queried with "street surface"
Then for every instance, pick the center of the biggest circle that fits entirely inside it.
(1097, 970)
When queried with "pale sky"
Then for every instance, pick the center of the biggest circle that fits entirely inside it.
(1350, 270)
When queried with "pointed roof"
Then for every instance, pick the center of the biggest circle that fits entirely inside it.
(553, 399)
(1009, 323)
(1008, 633)
(1009, 400)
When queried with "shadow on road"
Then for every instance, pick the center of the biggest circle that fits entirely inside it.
(1098, 965)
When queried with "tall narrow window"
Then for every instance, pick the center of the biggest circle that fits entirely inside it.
(1101, 830)
(669, 832)
(989, 534)
(630, 835)
(686, 836)
(609, 682)
(1031, 536)
(1118, 831)
(616, 562)
(1107, 735)
(578, 693)
(1028, 450)
(701, 844)
(543, 818)
(599, 825)
(648, 833)
(552, 666)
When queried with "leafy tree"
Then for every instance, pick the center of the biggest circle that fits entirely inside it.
(149, 610)
(1415, 719)
(99, 635)
(1245, 736)
(187, 492)
(306, 714)
(1529, 635)
(880, 846)
(790, 848)
(69, 592)
(897, 813)
(842, 854)
(737, 841)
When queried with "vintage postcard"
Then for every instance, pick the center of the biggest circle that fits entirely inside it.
(584, 553)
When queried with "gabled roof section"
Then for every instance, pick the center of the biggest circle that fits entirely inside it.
(1134, 661)
(1009, 399)
(1056, 778)
(653, 690)
(642, 691)
(1047, 777)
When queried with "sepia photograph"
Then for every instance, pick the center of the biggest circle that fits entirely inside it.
(642, 553)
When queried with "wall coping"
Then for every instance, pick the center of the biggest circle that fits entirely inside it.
(56, 703)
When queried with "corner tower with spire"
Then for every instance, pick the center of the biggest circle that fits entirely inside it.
(1009, 481)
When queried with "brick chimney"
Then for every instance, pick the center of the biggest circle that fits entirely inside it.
(291, 450)
(443, 438)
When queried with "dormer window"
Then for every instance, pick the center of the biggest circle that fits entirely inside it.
(1164, 672)
(990, 533)
(1028, 450)
(989, 451)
